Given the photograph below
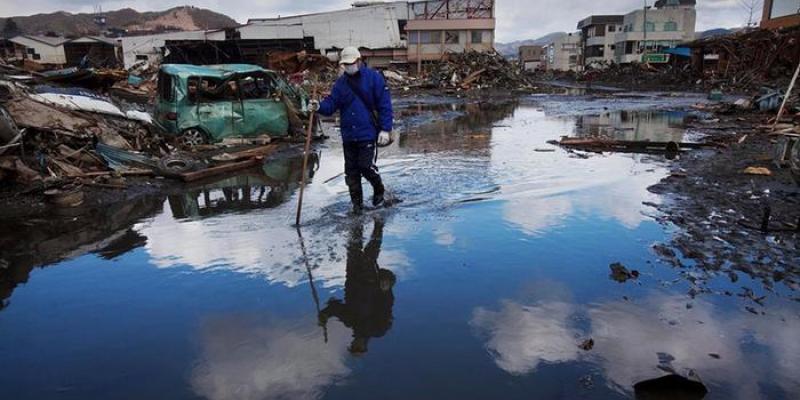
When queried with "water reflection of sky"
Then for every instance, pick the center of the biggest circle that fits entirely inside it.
(629, 335)
(501, 254)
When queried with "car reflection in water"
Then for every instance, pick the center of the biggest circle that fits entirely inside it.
(368, 297)
(265, 187)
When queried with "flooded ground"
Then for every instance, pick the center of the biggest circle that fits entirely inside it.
(488, 281)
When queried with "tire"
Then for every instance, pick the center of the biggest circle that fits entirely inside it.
(191, 138)
(176, 165)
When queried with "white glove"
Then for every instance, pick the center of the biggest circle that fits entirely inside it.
(313, 105)
(384, 138)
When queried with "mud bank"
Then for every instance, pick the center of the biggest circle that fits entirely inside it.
(719, 211)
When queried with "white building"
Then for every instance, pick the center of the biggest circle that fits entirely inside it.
(598, 33)
(562, 54)
(650, 31)
(42, 49)
(375, 26)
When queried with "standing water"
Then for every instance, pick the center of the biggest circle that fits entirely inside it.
(491, 280)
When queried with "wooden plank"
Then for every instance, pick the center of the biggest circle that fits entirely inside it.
(222, 169)
(249, 153)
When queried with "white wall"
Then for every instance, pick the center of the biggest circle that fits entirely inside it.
(48, 54)
(268, 31)
(558, 53)
(374, 27)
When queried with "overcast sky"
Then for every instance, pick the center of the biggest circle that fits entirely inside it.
(516, 19)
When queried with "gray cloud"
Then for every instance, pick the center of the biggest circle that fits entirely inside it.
(517, 19)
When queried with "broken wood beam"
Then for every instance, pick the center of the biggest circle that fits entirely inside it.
(615, 145)
(221, 169)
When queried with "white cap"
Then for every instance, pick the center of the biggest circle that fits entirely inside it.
(349, 55)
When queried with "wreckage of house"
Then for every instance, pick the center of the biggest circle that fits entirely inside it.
(46, 51)
(414, 33)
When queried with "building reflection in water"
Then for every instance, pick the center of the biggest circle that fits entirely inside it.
(655, 126)
(368, 297)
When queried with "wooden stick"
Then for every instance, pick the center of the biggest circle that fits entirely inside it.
(786, 97)
(305, 160)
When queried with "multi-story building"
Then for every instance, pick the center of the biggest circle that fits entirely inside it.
(562, 54)
(598, 38)
(531, 57)
(437, 27)
(413, 32)
(780, 14)
(649, 31)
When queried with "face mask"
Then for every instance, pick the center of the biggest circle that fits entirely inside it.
(351, 69)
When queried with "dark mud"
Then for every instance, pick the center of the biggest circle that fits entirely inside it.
(720, 211)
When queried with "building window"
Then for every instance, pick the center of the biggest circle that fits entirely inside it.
(650, 27)
(37, 56)
(426, 37)
(670, 27)
(612, 28)
(30, 51)
(141, 57)
(479, 37)
(451, 37)
(782, 8)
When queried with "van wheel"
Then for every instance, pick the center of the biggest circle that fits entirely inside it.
(191, 138)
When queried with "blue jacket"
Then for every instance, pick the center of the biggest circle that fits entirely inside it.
(356, 123)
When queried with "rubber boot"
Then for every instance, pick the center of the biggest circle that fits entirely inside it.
(356, 195)
(377, 190)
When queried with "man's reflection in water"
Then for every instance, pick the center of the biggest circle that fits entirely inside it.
(368, 298)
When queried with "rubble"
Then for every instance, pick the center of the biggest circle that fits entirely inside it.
(60, 141)
(478, 70)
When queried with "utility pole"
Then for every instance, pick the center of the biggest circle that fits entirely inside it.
(644, 30)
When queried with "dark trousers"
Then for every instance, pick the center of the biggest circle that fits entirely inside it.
(359, 161)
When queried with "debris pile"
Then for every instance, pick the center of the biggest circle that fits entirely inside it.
(58, 141)
(745, 61)
(641, 76)
(750, 59)
(48, 138)
(139, 83)
(478, 70)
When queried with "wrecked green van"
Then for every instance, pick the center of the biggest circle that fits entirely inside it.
(207, 104)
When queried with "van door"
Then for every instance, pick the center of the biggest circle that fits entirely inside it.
(263, 114)
(166, 104)
(214, 109)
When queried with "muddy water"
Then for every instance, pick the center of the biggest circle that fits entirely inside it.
(481, 284)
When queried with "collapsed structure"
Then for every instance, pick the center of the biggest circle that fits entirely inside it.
(415, 33)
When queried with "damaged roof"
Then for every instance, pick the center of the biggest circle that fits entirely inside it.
(54, 41)
(214, 71)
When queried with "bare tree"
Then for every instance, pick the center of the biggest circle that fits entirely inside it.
(751, 8)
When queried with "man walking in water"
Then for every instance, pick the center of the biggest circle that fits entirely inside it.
(365, 105)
